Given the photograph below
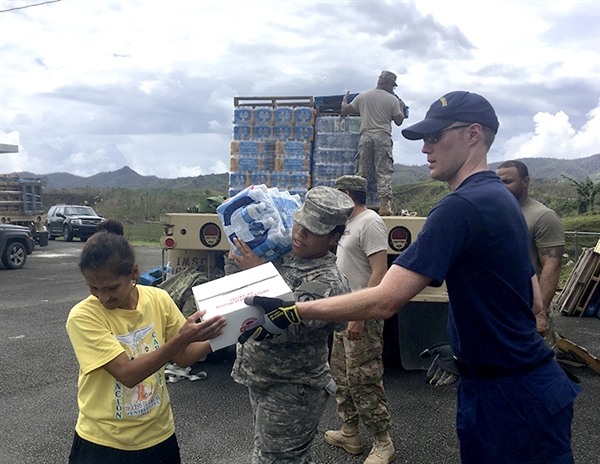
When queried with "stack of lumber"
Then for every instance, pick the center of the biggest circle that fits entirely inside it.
(582, 284)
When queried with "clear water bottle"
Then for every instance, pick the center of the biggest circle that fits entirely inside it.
(238, 180)
(263, 132)
(283, 115)
(325, 124)
(242, 132)
(304, 116)
(243, 115)
(263, 116)
(299, 180)
(256, 215)
(259, 177)
(280, 180)
(252, 221)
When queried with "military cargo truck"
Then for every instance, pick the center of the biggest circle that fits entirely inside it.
(277, 140)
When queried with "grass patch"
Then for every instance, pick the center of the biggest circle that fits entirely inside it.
(148, 233)
(583, 223)
(580, 232)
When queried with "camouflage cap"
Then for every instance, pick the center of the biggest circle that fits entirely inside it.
(354, 183)
(324, 209)
(388, 76)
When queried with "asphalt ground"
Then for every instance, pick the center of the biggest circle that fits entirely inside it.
(38, 381)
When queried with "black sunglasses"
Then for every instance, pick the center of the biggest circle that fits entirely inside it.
(435, 137)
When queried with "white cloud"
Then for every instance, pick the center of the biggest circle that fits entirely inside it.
(587, 140)
(555, 137)
(11, 162)
(218, 167)
(169, 156)
(11, 138)
(150, 84)
(173, 172)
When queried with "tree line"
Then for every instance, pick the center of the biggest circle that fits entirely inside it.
(129, 205)
(568, 198)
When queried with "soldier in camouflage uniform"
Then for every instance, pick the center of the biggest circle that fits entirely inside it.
(288, 377)
(356, 355)
(377, 108)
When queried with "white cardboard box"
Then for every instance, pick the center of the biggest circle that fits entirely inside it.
(225, 297)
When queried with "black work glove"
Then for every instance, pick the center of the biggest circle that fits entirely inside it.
(278, 316)
(443, 370)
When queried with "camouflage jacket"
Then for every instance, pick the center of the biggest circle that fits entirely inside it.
(299, 355)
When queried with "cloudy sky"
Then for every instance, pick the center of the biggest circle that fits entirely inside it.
(90, 86)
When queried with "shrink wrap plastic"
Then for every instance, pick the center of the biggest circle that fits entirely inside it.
(261, 217)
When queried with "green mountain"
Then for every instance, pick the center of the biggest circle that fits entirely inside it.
(129, 179)
(539, 168)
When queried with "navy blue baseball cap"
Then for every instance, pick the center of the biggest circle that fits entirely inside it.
(454, 106)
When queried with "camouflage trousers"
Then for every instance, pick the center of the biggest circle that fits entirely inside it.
(375, 152)
(357, 368)
(286, 417)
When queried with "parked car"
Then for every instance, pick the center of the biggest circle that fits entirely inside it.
(16, 242)
(72, 221)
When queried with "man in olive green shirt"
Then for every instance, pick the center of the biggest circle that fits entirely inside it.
(546, 234)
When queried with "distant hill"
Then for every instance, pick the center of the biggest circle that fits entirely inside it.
(539, 168)
(554, 169)
(128, 178)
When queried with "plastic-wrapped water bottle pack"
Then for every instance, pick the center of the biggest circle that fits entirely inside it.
(261, 217)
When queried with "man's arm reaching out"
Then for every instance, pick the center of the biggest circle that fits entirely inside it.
(397, 288)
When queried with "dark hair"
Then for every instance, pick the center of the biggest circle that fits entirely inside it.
(338, 230)
(108, 248)
(358, 196)
(518, 165)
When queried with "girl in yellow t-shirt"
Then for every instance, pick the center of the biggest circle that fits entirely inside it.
(123, 335)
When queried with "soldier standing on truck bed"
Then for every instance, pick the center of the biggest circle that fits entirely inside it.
(377, 108)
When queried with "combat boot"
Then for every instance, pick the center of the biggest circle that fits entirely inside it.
(384, 209)
(347, 438)
(383, 451)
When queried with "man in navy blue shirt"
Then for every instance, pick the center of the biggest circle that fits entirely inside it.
(515, 404)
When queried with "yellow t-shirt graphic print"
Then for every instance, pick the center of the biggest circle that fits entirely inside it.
(140, 399)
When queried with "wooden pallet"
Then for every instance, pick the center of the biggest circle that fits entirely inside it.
(581, 285)
(274, 101)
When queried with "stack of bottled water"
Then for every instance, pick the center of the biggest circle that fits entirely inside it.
(335, 150)
(272, 146)
(292, 166)
(336, 146)
(261, 217)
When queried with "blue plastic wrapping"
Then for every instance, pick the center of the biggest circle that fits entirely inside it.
(283, 115)
(243, 115)
(261, 217)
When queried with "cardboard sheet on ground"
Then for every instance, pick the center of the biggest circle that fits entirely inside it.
(225, 297)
